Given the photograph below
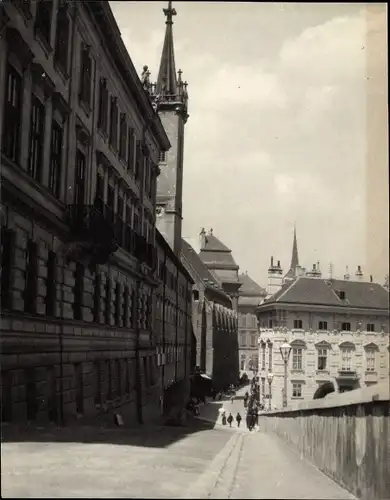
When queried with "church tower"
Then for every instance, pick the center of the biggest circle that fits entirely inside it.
(293, 271)
(170, 98)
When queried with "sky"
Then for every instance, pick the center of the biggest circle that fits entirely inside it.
(277, 126)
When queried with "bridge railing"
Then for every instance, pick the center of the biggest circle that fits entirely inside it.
(345, 435)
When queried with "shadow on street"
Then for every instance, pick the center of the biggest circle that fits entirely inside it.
(143, 436)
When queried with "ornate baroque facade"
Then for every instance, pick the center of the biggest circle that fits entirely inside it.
(80, 147)
(338, 331)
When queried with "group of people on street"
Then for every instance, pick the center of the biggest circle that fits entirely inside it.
(230, 419)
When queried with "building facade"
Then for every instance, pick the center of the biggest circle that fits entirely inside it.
(214, 323)
(251, 295)
(338, 332)
(80, 147)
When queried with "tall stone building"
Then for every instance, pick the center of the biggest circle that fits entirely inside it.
(81, 259)
(214, 322)
(251, 295)
(170, 97)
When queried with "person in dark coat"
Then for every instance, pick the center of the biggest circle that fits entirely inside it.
(223, 418)
(238, 419)
(230, 419)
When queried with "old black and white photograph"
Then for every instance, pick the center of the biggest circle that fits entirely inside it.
(194, 250)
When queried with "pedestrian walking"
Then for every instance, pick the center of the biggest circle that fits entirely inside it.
(223, 418)
(230, 419)
(238, 419)
(232, 398)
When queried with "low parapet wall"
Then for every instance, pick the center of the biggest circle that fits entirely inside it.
(345, 435)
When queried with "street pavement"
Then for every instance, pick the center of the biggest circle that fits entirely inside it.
(202, 460)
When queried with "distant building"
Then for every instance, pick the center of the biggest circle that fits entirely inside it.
(338, 331)
(214, 322)
(251, 295)
(219, 261)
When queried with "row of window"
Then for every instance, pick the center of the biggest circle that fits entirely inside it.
(112, 379)
(244, 340)
(247, 320)
(249, 364)
(321, 325)
(323, 359)
(12, 133)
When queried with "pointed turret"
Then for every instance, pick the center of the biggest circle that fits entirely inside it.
(170, 89)
(291, 274)
(167, 81)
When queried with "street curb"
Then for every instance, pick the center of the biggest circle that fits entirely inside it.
(207, 481)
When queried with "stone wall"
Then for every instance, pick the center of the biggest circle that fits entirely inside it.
(345, 435)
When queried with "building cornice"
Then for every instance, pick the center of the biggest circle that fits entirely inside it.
(319, 307)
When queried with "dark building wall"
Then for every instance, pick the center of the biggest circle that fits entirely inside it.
(101, 356)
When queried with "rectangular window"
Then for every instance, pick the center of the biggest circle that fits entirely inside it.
(51, 285)
(7, 251)
(55, 159)
(52, 394)
(103, 105)
(322, 359)
(270, 357)
(79, 192)
(31, 393)
(243, 339)
(85, 76)
(79, 376)
(370, 327)
(253, 340)
(99, 196)
(138, 160)
(98, 383)
(346, 327)
(114, 123)
(30, 292)
(43, 20)
(297, 390)
(163, 157)
(130, 151)
(263, 357)
(118, 304)
(12, 117)
(297, 358)
(108, 302)
(36, 139)
(270, 323)
(346, 359)
(126, 305)
(263, 385)
(297, 324)
(370, 360)
(78, 292)
(122, 137)
(62, 37)
(323, 325)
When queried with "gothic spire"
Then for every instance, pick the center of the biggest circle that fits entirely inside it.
(291, 274)
(167, 79)
(294, 257)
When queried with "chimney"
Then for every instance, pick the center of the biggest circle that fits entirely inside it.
(202, 237)
(359, 273)
(346, 275)
(275, 278)
(371, 280)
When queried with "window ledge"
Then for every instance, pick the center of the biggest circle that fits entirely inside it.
(297, 370)
(61, 70)
(46, 47)
(322, 372)
(84, 105)
(373, 373)
(298, 330)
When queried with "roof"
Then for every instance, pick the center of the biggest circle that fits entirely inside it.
(195, 265)
(249, 287)
(305, 290)
(215, 253)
